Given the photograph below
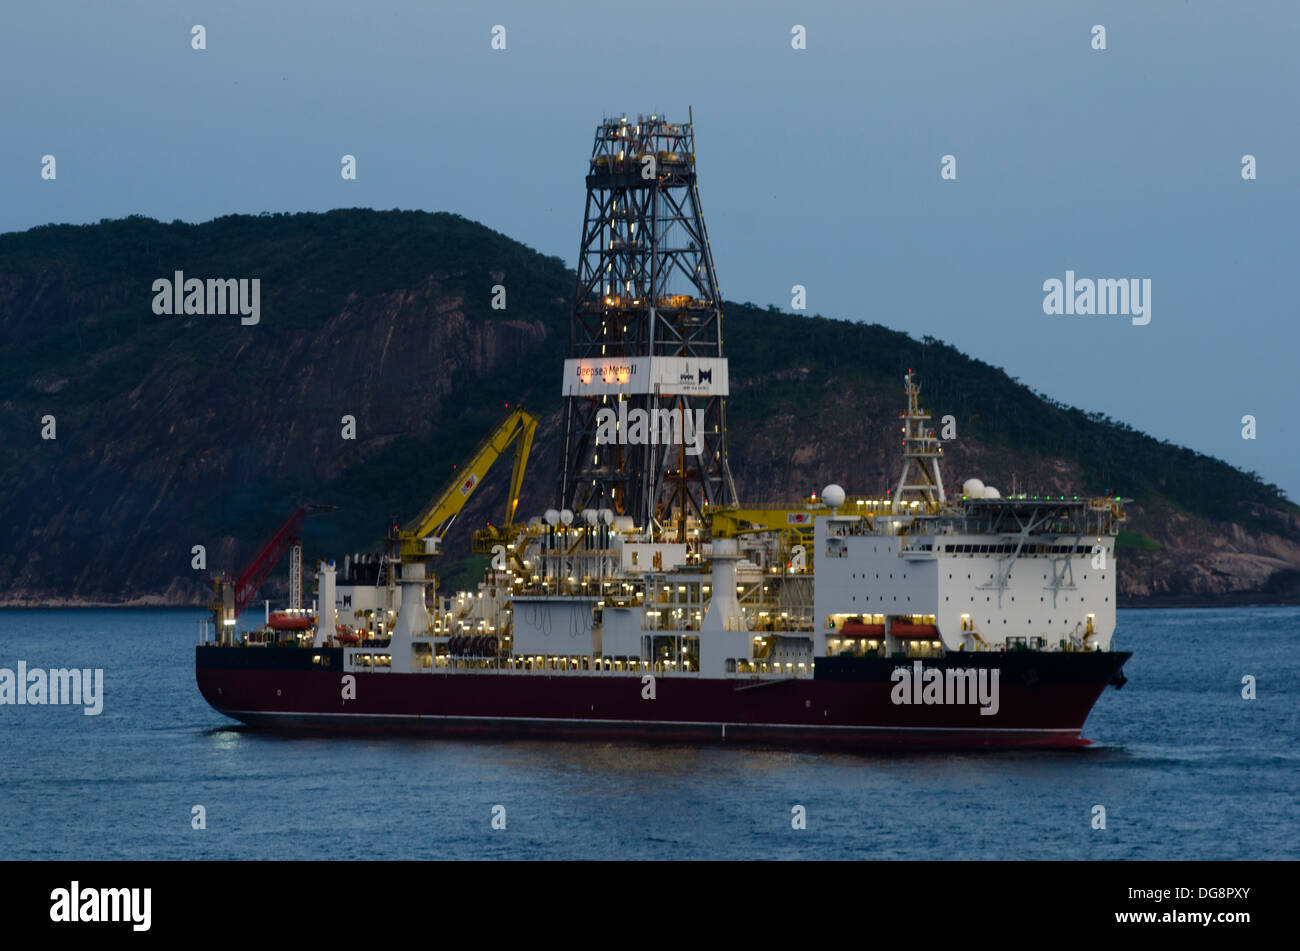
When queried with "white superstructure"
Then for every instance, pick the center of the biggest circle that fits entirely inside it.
(995, 574)
(918, 573)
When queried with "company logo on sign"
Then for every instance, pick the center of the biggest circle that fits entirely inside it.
(665, 376)
(705, 376)
(610, 373)
(467, 486)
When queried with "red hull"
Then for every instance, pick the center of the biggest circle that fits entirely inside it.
(803, 711)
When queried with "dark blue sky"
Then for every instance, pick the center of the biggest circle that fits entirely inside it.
(817, 167)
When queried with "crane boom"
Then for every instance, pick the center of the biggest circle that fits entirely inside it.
(230, 598)
(518, 426)
(256, 571)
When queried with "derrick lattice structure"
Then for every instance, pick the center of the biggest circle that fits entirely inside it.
(646, 383)
(921, 478)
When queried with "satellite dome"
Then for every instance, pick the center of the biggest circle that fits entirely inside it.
(991, 493)
(566, 516)
(551, 517)
(607, 516)
(973, 489)
(833, 495)
(589, 516)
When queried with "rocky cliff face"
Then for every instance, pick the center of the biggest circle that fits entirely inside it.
(1212, 562)
(171, 432)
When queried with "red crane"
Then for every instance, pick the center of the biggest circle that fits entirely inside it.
(232, 597)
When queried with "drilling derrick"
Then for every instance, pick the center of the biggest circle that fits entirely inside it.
(645, 384)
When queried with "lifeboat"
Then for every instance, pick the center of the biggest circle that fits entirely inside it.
(280, 621)
(914, 632)
(858, 629)
(344, 637)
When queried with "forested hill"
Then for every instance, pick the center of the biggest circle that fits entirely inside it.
(174, 431)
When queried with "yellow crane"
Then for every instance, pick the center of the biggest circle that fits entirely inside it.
(793, 524)
(422, 536)
(735, 521)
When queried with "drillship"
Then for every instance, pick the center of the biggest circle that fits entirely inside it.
(650, 602)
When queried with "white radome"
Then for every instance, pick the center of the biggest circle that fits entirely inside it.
(551, 516)
(566, 516)
(833, 495)
(991, 493)
(973, 489)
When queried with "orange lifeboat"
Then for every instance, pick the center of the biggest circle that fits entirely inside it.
(914, 632)
(282, 621)
(858, 629)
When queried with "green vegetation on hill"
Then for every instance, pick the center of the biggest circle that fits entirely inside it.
(172, 429)
(993, 408)
(1128, 539)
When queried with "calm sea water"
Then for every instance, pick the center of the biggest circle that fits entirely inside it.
(1184, 767)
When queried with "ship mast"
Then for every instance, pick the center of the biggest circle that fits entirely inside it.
(921, 454)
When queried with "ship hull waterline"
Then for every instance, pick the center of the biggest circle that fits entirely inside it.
(1043, 700)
